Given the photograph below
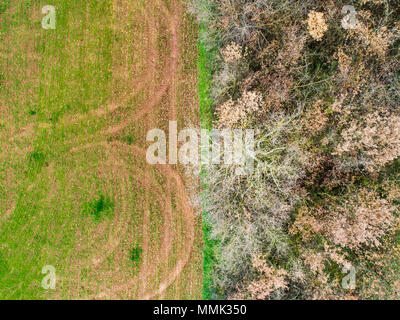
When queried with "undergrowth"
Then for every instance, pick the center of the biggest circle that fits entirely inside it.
(318, 218)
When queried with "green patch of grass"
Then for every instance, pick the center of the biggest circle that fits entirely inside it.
(58, 113)
(205, 76)
(129, 139)
(4, 268)
(4, 4)
(135, 255)
(99, 207)
(36, 156)
(209, 260)
(36, 160)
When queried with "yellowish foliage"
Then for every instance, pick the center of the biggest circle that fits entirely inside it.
(316, 25)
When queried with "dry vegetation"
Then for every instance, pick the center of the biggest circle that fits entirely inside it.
(325, 194)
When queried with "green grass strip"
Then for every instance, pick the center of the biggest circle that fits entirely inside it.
(206, 117)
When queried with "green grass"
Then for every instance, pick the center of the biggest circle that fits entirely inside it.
(205, 83)
(4, 4)
(36, 159)
(48, 75)
(135, 255)
(205, 73)
(99, 207)
(4, 268)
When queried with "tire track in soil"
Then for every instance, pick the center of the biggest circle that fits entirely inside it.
(169, 171)
(175, 181)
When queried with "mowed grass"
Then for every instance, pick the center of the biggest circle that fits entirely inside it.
(71, 197)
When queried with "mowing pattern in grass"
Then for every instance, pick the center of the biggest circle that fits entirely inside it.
(76, 189)
(99, 207)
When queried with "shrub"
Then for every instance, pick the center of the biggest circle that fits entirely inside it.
(325, 103)
(249, 214)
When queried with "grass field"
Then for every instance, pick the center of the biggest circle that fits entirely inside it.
(76, 191)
